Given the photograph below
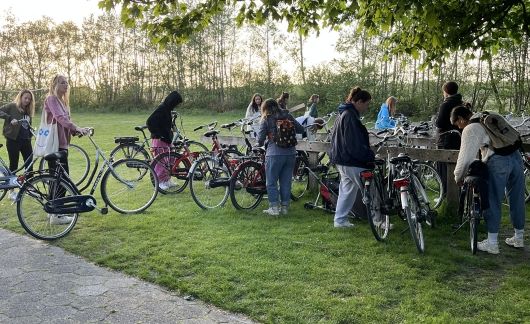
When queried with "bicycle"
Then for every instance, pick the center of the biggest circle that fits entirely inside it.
(9, 179)
(209, 176)
(132, 147)
(128, 186)
(470, 209)
(247, 183)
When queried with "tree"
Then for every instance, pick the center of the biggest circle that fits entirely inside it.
(437, 27)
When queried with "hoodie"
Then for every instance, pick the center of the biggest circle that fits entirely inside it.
(159, 122)
(443, 122)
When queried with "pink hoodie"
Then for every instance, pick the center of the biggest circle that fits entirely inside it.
(65, 127)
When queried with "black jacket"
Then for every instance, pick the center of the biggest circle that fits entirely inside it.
(350, 144)
(443, 122)
(159, 123)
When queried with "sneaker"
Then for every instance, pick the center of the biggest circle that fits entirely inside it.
(487, 247)
(60, 219)
(13, 195)
(166, 185)
(346, 224)
(515, 242)
(273, 211)
(284, 210)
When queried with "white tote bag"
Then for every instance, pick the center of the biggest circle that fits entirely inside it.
(47, 140)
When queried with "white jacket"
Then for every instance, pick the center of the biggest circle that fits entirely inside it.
(474, 137)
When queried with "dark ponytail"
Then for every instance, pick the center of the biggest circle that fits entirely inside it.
(356, 94)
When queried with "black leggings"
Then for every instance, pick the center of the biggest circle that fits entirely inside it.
(52, 165)
(14, 148)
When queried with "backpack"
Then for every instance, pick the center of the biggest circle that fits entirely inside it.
(504, 138)
(285, 135)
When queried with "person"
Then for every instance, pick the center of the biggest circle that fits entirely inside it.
(312, 107)
(350, 152)
(57, 107)
(505, 174)
(17, 120)
(253, 113)
(315, 123)
(279, 161)
(159, 124)
(283, 100)
(386, 112)
(448, 135)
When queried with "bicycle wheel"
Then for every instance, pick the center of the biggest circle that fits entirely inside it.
(527, 181)
(78, 164)
(379, 222)
(247, 185)
(195, 146)
(474, 213)
(412, 211)
(3, 192)
(300, 182)
(432, 182)
(423, 199)
(129, 186)
(129, 151)
(209, 183)
(172, 166)
(36, 192)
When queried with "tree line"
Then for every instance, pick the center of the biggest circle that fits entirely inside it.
(114, 68)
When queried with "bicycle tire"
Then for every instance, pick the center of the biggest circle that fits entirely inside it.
(178, 173)
(35, 192)
(129, 151)
(195, 146)
(432, 182)
(247, 185)
(209, 183)
(379, 224)
(300, 182)
(129, 186)
(474, 219)
(3, 192)
(527, 181)
(423, 199)
(78, 164)
(412, 214)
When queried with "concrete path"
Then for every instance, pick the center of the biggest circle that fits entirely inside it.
(41, 283)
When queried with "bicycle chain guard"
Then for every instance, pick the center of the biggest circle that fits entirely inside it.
(71, 204)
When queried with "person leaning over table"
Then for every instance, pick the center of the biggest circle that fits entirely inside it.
(505, 174)
(57, 107)
(350, 152)
(18, 133)
(386, 112)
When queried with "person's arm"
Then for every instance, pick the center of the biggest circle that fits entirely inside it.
(262, 134)
(4, 112)
(470, 144)
(250, 111)
(297, 126)
(60, 114)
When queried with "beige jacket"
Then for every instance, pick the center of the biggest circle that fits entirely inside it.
(474, 137)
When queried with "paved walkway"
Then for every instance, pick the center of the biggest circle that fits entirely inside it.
(41, 283)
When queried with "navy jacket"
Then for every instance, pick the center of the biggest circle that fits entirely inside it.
(350, 144)
(443, 123)
(159, 123)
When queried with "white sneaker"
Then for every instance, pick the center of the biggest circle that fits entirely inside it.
(166, 185)
(284, 210)
(345, 224)
(487, 247)
(273, 211)
(60, 219)
(515, 242)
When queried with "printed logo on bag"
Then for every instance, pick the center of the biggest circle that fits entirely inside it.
(285, 135)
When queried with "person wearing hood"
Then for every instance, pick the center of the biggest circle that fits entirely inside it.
(448, 135)
(350, 152)
(505, 174)
(159, 125)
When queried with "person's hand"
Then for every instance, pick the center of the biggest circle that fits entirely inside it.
(460, 183)
(83, 131)
(14, 121)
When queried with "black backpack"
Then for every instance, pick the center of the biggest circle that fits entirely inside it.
(285, 135)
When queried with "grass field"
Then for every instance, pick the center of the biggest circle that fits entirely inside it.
(296, 268)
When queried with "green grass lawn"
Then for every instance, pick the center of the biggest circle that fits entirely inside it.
(296, 268)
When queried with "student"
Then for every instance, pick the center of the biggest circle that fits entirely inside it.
(505, 175)
(279, 161)
(17, 120)
(312, 110)
(283, 100)
(57, 107)
(386, 112)
(159, 124)
(316, 123)
(350, 152)
(253, 113)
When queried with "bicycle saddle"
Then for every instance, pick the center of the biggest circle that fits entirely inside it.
(140, 128)
(55, 156)
(211, 133)
(399, 159)
(379, 162)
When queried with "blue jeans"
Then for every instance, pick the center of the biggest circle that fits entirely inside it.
(279, 167)
(349, 188)
(506, 172)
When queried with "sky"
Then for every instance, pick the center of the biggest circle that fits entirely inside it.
(317, 50)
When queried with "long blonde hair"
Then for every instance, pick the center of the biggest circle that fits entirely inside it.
(53, 91)
(30, 109)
